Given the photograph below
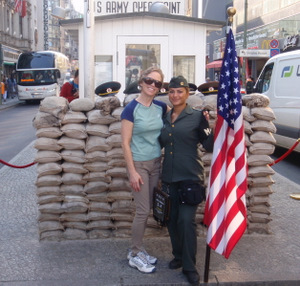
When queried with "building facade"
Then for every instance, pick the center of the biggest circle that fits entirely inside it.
(18, 31)
(272, 27)
(28, 25)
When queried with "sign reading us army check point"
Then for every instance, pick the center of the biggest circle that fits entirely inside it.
(105, 7)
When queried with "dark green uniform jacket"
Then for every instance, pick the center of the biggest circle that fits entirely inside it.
(180, 140)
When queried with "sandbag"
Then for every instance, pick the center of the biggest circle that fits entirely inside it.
(97, 130)
(47, 144)
(73, 156)
(74, 117)
(56, 106)
(43, 156)
(74, 130)
(71, 143)
(82, 104)
(48, 132)
(45, 120)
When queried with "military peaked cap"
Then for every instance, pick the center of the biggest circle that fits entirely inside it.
(108, 88)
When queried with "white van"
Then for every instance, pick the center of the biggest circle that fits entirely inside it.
(280, 81)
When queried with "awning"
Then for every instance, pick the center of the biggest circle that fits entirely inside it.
(214, 64)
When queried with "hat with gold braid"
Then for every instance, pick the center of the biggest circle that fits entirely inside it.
(108, 88)
(208, 88)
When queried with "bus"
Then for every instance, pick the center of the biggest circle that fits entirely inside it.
(41, 74)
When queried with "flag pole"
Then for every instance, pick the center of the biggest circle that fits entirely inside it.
(230, 12)
(207, 261)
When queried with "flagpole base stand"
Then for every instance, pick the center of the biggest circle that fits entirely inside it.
(295, 196)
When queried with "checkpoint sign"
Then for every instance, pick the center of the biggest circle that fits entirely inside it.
(274, 44)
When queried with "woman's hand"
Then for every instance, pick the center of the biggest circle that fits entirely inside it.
(135, 181)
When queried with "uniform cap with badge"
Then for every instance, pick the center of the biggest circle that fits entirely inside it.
(109, 88)
(177, 82)
(208, 88)
(164, 89)
(132, 88)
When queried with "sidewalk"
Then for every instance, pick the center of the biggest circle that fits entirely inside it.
(9, 103)
(25, 261)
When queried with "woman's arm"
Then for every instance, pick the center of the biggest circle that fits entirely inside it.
(126, 133)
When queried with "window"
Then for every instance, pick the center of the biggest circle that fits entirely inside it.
(140, 57)
(263, 82)
(103, 69)
(185, 66)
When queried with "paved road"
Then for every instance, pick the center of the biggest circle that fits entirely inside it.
(260, 260)
(289, 167)
(16, 130)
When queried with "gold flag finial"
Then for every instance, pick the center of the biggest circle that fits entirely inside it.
(231, 12)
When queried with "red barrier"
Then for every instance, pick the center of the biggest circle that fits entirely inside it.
(18, 167)
(286, 154)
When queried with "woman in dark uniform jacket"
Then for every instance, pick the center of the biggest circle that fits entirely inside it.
(184, 128)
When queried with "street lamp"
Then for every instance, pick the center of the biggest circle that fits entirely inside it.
(245, 42)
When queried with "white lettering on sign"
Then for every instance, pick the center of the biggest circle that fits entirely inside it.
(104, 7)
(254, 53)
(290, 42)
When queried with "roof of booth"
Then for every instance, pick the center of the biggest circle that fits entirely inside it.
(72, 24)
(218, 24)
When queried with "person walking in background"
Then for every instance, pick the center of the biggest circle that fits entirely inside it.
(11, 86)
(4, 88)
(141, 122)
(183, 173)
(70, 90)
(249, 85)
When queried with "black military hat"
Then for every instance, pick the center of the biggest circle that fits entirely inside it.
(132, 88)
(210, 87)
(164, 89)
(178, 81)
(192, 87)
(108, 88)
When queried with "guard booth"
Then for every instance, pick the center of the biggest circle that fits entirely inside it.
(127, 43)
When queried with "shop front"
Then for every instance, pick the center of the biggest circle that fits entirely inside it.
(10, 57)
(263, 43)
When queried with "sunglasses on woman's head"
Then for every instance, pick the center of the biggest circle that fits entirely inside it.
(149, 80)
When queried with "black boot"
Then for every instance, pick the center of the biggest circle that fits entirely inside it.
(192, 276)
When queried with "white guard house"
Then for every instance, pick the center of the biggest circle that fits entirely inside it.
(126, 43)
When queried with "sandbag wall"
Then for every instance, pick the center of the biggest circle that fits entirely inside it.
(82, 186)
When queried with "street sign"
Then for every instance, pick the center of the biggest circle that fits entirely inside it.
(274, 52)
(274, 44)
(254, 53)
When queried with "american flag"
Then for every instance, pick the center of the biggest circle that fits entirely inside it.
(20, 7)
(225, 209)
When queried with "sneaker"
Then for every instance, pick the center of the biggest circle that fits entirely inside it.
(151, 259)
(140, 263)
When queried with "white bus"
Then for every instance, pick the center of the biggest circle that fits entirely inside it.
(41, 74)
